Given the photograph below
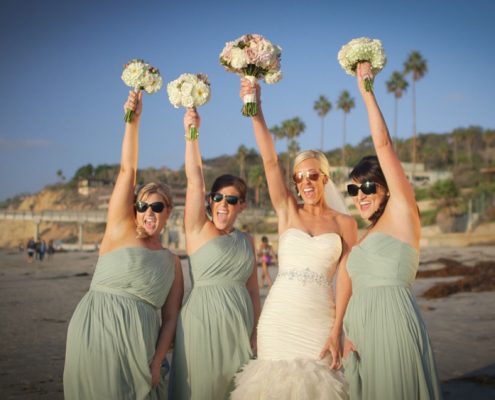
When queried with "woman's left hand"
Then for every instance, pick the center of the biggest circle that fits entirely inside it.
(332, 346)
(155, 368)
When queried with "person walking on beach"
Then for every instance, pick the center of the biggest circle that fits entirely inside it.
(216, 332)
(31, 249)
(116, 341)
(42, 249)
(387, 352)
(300, 325)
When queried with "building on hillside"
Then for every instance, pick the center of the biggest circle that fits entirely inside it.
(422, 177)
(86, 187)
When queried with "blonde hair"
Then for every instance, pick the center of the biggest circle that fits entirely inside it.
(148, 189)
(317, 155)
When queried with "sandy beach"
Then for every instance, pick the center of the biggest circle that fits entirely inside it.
(38, 299)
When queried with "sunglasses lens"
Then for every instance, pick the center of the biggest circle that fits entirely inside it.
(141, 207)
(314, 176)
(298, 177)
(368, 187)
(157, 207)
(232, 200)
(216, 197)
(352, 190)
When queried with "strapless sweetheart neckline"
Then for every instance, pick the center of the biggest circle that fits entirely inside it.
(308, 234)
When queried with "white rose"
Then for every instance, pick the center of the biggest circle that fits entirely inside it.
(239, 58)
(201, 93)
(273, 77)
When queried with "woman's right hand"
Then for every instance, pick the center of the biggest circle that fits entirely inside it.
(248, 88)
(191, 118)
(134, 102)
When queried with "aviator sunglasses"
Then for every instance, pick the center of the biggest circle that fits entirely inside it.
(156, 207)
(312, 175)
(367, 187)
(230, 199)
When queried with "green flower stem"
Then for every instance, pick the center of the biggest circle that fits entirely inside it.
(128, 115)
(250, 109)
(368, 84)
(193, 133)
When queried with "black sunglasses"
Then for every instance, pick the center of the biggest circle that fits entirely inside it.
(367, 187)
(311, 175)
(142, 206)
(231, 199)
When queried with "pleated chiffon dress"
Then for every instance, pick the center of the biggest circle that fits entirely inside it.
(215, 324)
(383, 320)
(113, 332)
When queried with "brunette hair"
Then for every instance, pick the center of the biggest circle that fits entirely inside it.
(368, 169)
(230, 180)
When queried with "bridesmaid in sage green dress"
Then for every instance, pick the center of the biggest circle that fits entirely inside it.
(387, 351)
(116, 341)
(216, 332)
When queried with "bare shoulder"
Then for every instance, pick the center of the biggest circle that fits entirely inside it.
(345, 221)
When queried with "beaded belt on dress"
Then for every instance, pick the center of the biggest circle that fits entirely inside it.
(305, 276)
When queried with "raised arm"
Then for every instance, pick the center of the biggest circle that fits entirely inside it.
(120, 218)
(279, 193)
(194, 214)
(400, 188)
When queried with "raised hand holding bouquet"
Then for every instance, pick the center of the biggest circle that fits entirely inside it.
(140, 75)
(253, 57)
(189, 90)
(361, 50)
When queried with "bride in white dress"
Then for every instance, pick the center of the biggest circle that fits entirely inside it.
(300, 325)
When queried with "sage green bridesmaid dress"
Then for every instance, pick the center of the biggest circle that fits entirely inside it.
(395, 359)
(113, 332)
(213, 332)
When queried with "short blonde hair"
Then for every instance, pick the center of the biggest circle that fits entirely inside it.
(151, 188)
(317, 155)
(158, 188)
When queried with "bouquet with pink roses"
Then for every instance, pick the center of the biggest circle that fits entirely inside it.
(253, 57)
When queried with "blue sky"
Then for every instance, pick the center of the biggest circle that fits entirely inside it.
(61, 63)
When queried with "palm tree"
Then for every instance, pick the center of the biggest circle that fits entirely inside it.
(346, 104)
(256, 178)
(60, 175)
(292, 128)
(242, 151)
(277, 133)
(322, 106)
(415, 64)
(396, 85)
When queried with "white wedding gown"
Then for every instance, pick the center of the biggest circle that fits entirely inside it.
(294, 325)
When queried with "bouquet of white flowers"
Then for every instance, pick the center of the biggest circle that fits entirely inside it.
(189, 90)
(141, 76)
(361, 50)
(253, 57)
